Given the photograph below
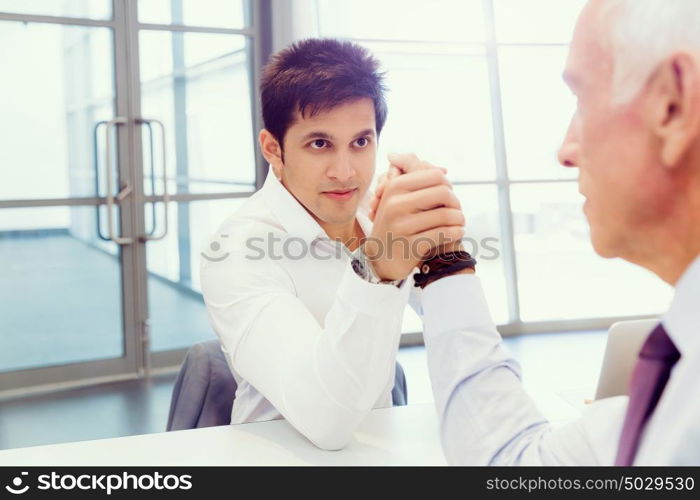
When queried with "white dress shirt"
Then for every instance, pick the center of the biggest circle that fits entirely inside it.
(306, 338)
(487, 418)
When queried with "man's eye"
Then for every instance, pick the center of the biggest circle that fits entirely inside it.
(362, 142)
(319, 144)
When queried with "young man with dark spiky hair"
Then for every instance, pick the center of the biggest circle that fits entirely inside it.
(304, 293)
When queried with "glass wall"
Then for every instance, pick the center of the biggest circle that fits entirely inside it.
(475, 86)
(92, 272)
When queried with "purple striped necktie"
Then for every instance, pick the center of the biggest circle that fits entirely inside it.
(656, 359)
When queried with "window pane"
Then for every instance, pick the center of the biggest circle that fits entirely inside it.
(536, 21)
(559, 274)
(411, 321)
(55, 104)
(211, 13)
(176, 309)
(198, 85)
(537, 108)
(417, 20)
(60, 289)
(92, 9)
(483, 242)
(439, 108)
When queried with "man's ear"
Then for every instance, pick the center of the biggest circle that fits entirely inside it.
(272, 151)
(672, 107)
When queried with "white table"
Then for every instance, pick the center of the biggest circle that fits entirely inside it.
(404, 435)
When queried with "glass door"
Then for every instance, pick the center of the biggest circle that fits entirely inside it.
(66, 278)
(127, 136)
(196, 81)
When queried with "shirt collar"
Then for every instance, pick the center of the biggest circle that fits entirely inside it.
(682, 321)
(294, 217)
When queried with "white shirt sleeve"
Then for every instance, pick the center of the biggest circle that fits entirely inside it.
(415, 299)
(322, 379)
(486, 418)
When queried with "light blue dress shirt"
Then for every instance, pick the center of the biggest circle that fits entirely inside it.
(487, 418)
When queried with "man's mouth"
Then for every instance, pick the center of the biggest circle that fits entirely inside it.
(341, 194)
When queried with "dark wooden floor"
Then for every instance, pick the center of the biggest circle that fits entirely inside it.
(104, 411)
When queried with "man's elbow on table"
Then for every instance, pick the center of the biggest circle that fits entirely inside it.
(331, 441)
(329, 435)
(329, 428)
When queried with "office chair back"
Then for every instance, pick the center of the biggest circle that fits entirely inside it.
(205, 389)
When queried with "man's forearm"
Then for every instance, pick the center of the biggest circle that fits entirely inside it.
(323, 376)
(486, 417)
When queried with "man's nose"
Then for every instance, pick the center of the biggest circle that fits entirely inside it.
(569, 149)
(342, 168)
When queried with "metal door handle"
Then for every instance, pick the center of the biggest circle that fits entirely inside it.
(110, 182)
(96, 166)
(166, 196)
(153, 174)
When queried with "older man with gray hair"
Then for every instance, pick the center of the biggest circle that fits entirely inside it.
(634, 66)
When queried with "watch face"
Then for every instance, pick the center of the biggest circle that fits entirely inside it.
(365, 271)
(359, 267)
